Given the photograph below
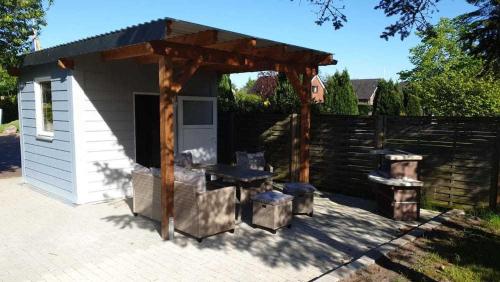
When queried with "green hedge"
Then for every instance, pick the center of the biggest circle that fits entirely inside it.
(9, 108)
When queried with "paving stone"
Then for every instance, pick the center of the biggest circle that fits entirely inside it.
(61, 242)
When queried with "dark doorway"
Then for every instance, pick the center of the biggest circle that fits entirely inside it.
(147, 130)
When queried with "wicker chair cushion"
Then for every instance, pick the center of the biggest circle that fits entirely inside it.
(140, 168)
(257, 161)
(195, 178)
(251, 160)
(272, 198)
(242, 159)
(298, 188)
(185, 159)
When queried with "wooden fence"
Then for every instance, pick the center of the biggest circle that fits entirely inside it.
(461, 155)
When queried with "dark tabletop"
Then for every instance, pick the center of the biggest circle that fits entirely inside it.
(237, 173)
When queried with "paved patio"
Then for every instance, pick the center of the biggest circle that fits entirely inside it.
(42, 238)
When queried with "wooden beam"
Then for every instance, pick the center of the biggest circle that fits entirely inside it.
(66, 63)
(275, 50)
(261, 66)
(246, 62)
(174, 50)
(237, 45)
(190, 68)
(127, 52)
(201, 38)
(303, 89)
(150, 59)
(167, 100)
(168, 28)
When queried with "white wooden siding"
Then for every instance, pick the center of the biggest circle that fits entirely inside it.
(104, 121)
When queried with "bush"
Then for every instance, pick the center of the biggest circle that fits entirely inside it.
(388, 99)
(9, 108)
(340, 98)
(413, 107)
(248, 103)
(226, 101)
(14, 123)
(365, 110)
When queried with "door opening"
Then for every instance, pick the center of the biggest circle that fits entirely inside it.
(147, 130)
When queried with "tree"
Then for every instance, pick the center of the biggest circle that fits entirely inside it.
(411, 14)
(412, 103)
(265, 85)
(446, 78)
(340, 98)
(388, 99)
(19, 19)
(285, 100)
(226, 101)
(482, 33)
(7, 83)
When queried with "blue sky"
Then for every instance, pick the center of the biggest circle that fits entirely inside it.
(357, 46)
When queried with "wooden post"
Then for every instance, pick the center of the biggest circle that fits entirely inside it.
(167, 100)
(169, 88)
(305, 128)
(294, 160)
(495, 177)
(303, 88)
(379, 131)
(232, 131)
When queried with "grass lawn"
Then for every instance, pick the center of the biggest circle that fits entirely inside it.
(467, 248)
(4, 126)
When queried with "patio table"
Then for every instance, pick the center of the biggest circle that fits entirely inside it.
(237, 173)
(243, 178)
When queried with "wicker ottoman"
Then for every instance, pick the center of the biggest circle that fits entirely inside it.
(272, 210)
(303, 197)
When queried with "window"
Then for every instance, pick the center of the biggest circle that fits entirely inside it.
(198, 112)
(44, 116)
(315, 89)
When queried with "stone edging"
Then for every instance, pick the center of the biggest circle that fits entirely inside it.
(369, 258)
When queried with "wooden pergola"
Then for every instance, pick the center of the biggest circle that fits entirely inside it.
(179, 56)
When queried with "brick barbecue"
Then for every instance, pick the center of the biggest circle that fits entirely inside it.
(398, 188)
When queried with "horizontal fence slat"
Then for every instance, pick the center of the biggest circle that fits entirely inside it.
(458, 152)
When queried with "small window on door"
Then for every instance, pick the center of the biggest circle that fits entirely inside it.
(43, 109)
(198, 112)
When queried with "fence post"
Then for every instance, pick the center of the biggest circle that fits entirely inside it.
(231, 137)
(380, 129)
(294, 142)
(495, 177)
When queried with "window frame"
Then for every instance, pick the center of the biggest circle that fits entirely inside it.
(41, 133)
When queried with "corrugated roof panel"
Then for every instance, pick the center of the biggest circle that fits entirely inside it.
(153, 30)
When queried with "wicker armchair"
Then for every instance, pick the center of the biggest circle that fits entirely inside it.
(201, 214)
(255, 161)
(199, 209)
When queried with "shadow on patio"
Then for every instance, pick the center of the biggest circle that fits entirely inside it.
(342, 228)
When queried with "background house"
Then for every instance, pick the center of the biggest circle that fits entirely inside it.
(265, 86)
(318, 90)
(365, 90)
